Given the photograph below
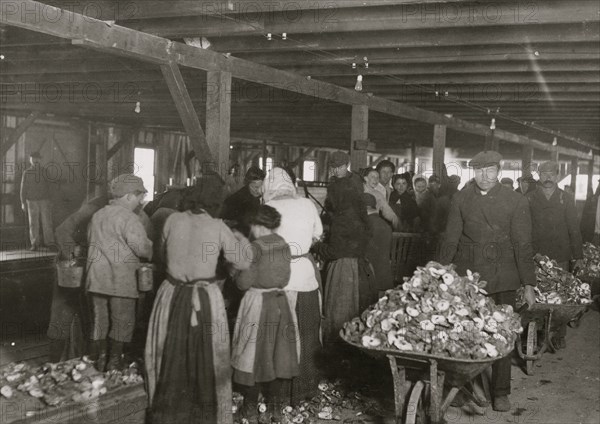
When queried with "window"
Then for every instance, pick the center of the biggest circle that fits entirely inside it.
(309, 170)
(269, 164)
(144, 168)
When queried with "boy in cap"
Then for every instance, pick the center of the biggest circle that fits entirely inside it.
(117, 241)
(508, 182)
(555, 228)
(489, 232)
(35, 202)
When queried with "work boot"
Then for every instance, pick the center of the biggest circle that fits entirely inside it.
(98, 354)
(501, 403)
(116, 354)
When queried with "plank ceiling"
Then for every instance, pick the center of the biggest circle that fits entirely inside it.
(534, 66)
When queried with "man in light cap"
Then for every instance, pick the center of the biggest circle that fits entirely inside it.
(117, 241)
(489, 232)
(555, 228)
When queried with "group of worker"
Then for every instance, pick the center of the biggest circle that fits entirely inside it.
(257, 246)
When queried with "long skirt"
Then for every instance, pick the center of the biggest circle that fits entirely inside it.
(274, 344)
(189, 353)
(308, 310)
(349, 289)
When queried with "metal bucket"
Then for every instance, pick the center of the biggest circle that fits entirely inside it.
(69, 275)
(145, 277)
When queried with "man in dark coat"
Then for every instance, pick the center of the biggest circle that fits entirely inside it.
(244, 202)
(489, 232)
(555, 228)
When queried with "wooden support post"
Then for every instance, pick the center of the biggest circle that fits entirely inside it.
(413, 156)
(439, 148)
(265, 155)
(359, 136)
(218, 118)
(186, 111)
(526, 160)
(14, 136)
(102, 163)
(574, 171)
(590, 183)
(491, 142)
(554, 155)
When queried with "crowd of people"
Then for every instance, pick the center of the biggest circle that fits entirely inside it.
(241, 303)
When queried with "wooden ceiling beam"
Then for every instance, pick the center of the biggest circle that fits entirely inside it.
(432, 69)
(149, 9)
(546, 51)
(370, 18)
(477, 53)
(461, 36)
(450, 68)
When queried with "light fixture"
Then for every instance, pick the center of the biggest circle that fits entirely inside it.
(555, 142)
(493, 124)
(284, 36)
(269, 36)
(1, 57)
(353, 65)
(536, 53)
(366, 65)
(138, 107)
(358, 86)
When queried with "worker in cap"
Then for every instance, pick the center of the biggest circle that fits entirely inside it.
(127, 184)
(485, 159)
(556, 232)
(338, 159)
(118, 242)
(526, 184)
(35, 202)
(489, 231)
(508, 182)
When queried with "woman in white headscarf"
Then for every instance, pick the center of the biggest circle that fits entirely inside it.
(300, 227)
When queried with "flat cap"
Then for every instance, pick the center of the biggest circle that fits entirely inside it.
(549, 166)
(485, 158)
(339, 158)
(125, 184)
(506, 180)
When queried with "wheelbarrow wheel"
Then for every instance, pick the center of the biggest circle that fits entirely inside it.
(415, 410)
(531, 346)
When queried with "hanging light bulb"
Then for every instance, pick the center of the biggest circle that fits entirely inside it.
(358, 86)
(284, 36)
(1, 57)
(138, 107)
(353, 65)
(269, 36)
(536, 53)
(493, 124)
(555, 141)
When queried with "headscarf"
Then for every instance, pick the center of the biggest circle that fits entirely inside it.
(278, 184)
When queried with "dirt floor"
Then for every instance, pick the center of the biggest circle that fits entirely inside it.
(564, 389)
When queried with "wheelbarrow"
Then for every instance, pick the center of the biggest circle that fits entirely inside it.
(425, 385)
(540, 322)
